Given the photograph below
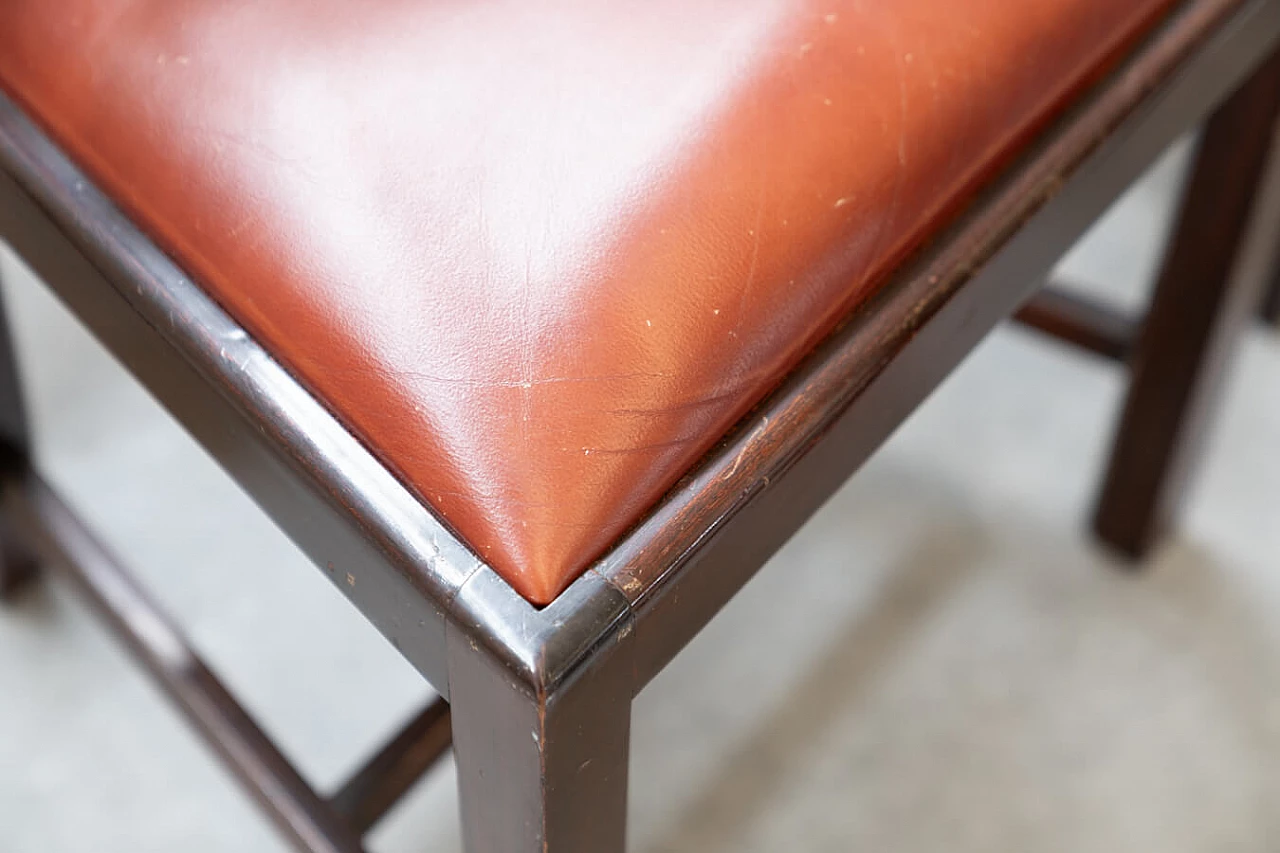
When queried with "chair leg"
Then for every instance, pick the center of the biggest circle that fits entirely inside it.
(539, 774)
(1271, 302)
(1207, 290)
(17, 566)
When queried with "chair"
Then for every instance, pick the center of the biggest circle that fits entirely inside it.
(539, 328)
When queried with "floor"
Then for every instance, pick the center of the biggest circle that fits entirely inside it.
(940, 660)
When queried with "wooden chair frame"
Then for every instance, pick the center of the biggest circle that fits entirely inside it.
(540, 699)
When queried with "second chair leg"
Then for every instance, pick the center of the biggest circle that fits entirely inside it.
(1203, 299)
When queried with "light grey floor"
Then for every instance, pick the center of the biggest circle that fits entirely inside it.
(941, 660)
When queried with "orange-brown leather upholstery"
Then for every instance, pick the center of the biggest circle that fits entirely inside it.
(540, 256)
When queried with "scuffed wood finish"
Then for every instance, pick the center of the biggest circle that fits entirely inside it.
(725, 519)
(542, 771)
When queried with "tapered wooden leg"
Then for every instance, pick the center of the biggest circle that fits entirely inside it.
(539, 774)
(1211, 282)
(16, 565)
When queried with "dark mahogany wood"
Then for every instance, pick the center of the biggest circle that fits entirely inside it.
(377, 786)
(1205, 294)
(1271, 301)
(542, 772)
(719, 524)
(14, 427)
(541, 698)
(1079, 320)
(373, 540)
(17, 565)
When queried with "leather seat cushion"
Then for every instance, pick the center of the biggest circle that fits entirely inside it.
(539, 257)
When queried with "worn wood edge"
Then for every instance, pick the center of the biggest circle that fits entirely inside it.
(551, 646)
(211, 375)
(45, 197)
(669, 544)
